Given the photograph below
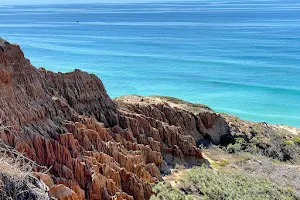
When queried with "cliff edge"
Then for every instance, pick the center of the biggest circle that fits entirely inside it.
(96, 147)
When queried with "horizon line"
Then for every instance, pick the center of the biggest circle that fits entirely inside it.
(116, 2)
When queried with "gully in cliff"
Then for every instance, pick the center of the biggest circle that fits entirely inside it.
(94, 147)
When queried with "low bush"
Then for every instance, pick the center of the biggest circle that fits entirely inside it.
(165, 191)
(208, 184)
(288, 142)
(214, 184)
(282, 149)
(272, 145)
(16, 179)
(238, 146)
(296, 140)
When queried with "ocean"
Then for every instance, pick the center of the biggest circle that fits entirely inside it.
(238, 57)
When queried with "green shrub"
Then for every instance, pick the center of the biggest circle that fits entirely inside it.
(238, 146)
(223, 163)
(165, 191)
(271, 145)
(211, 184)
(282, 149)
(296, 140)
(288, 142)
(223, 185)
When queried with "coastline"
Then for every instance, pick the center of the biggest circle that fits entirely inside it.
(97, 147)
(161, 50)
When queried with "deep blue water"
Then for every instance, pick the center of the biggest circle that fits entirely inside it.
(238, 57)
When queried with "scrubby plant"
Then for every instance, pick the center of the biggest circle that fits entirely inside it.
(13, 177)
(288, 142)
(282, 149)
(223, 185)
(296, 140)
(180, 101)
(165, 191)
(211, 184)
(238, 146)
(271, 145)
(16, 179)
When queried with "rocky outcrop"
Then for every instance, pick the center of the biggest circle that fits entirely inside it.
(96, 147)
(177, 126)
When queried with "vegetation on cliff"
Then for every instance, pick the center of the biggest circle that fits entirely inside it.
(99, 148)
(261, 162)
(208, 184)
(232, 176)
(17, 181)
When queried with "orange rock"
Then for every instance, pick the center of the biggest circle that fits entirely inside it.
(62, 192)
(122, 196)
(95, 148)
(45, 178)
(79, 192)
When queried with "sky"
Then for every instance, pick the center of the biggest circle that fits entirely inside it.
(31, 2)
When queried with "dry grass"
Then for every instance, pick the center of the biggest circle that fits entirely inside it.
(284, 174)
(14, 175)
(180, 101)
(257, 182)
(16, 180)
(3, 125)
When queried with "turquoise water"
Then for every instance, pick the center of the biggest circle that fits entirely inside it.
(238, 57)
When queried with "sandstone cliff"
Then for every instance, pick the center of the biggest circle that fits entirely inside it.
(96, 147)
(68, 123)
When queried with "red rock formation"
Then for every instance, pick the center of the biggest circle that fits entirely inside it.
(62, 192)
(96, 148)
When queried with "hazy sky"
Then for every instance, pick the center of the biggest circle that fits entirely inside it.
(24, 2)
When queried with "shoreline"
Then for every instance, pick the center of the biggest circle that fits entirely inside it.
(102, 148)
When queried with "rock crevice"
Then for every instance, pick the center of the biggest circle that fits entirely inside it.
(96, 147)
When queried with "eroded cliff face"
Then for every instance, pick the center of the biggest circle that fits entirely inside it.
(95, 148)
